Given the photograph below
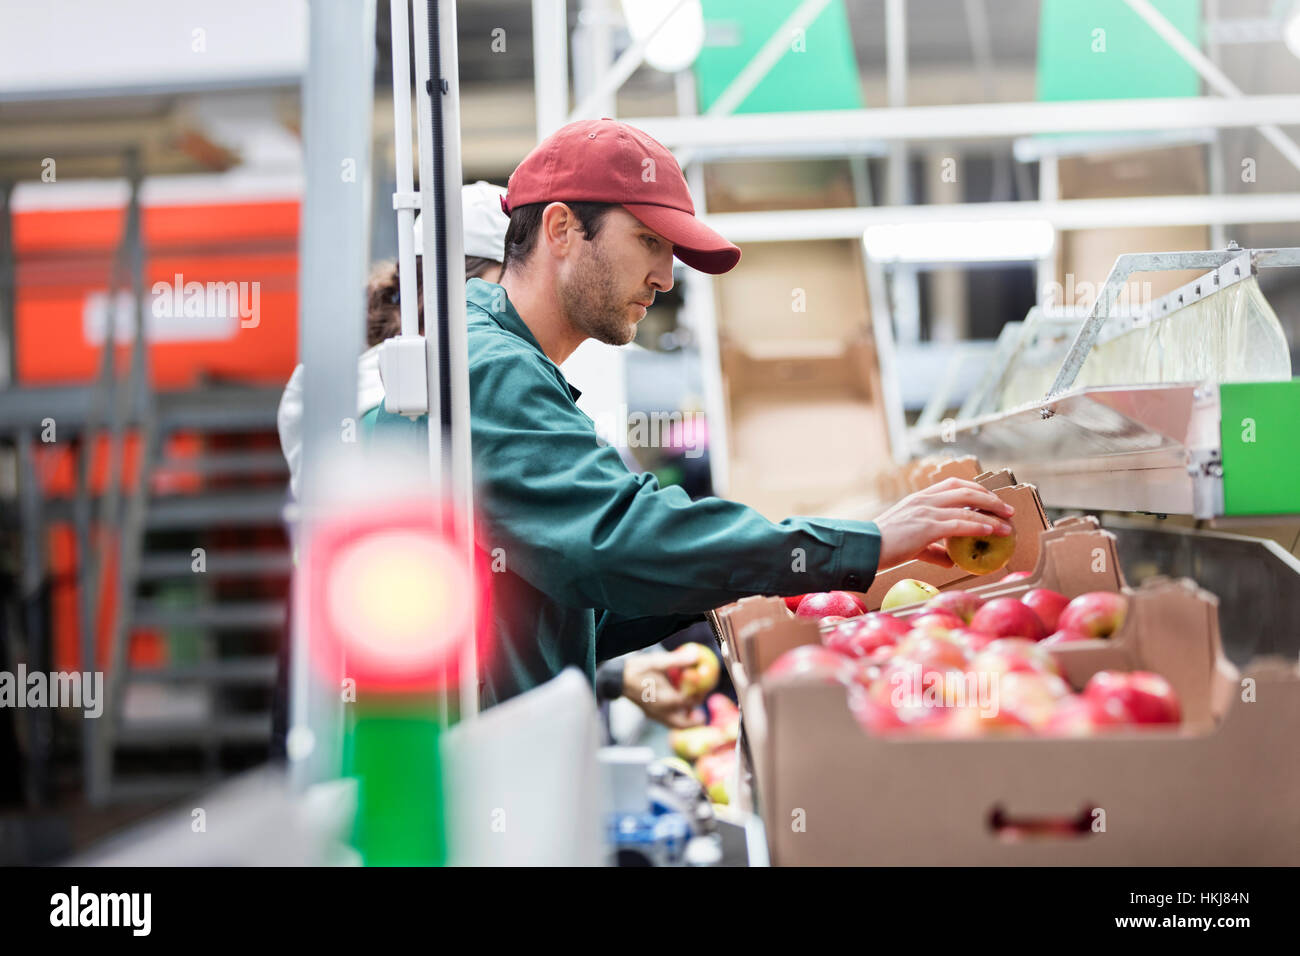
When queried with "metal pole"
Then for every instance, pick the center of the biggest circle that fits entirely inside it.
(623, 68)
(338, 95)
(550, 65)
(457, 364)
(1218, 234)
(404, 201)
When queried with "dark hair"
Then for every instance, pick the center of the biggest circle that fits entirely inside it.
(526, 224)
(384, 300)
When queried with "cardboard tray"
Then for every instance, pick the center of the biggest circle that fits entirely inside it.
(1223, 789)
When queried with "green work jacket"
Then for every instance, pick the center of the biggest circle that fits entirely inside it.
(594, 560)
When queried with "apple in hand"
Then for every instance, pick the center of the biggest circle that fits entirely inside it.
(1097, 614)
(696, 680)
(907, 591)
(963, 604)
(1007, 617)
(1047, 604)
(1147, 697)
(982, 554)
(829, 603)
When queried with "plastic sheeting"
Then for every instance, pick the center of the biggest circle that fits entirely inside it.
(1232, 335)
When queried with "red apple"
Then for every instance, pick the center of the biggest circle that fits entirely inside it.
(1097, 614)
(1031, 696)
(1147, 697)
(722, 710)
(929, 650)
(896, 627)
(974, 641)
(882, 655)
(937, 621)
(1077, 716)
(1010, 655)
(855, 638)
(696, 680)
(873, 716)
(1047, 604)
(792, 601)
(1063, 637)
(828, 603)
(974, 721)
(916, 690)
(1007, 617)
(812, 660)
(963, 604)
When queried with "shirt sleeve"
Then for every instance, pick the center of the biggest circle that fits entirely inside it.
(577, 525)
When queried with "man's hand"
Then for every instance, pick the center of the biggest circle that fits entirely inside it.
(914, 526)
(646, 684)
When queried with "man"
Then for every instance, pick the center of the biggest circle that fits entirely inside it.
(599, 561)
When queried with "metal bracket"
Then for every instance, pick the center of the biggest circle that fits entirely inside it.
(1205, 468)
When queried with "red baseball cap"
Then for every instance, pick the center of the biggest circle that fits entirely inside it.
(607, 161)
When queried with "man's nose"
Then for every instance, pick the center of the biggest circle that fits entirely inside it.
(661, 277)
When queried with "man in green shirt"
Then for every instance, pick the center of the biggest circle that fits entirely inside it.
(596, 561)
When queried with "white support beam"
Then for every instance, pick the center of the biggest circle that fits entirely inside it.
(979, 121)
(551, 70)
(850, 222)
(1212, 75)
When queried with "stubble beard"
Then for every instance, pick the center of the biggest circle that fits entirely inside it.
(592, 303)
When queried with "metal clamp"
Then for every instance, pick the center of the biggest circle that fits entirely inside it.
(406, 200)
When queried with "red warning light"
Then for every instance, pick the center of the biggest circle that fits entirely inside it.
(391, 597)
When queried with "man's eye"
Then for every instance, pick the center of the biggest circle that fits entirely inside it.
(650, 241)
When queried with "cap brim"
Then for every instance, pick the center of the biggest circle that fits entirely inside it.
(693, 242)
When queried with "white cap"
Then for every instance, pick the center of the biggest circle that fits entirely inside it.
(483, 220)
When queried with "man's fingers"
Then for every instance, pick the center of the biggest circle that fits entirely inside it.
(935, 554)
(983, 500)
(959, 522)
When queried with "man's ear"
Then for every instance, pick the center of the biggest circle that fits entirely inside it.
(558, 221)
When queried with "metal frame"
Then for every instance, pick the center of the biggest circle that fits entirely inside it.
(337, 103)
(1226, 267)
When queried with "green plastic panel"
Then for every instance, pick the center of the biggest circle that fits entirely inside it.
(818, 72)
(1101, 50)
(1260, 432)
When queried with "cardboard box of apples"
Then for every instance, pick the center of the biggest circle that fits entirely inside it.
(1138, 743)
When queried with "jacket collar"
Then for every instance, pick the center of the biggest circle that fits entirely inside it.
(491, 299)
